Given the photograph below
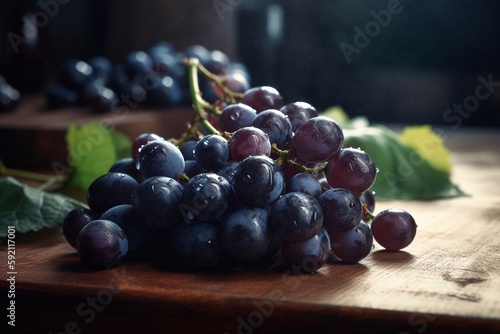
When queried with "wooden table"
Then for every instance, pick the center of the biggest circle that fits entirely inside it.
(446, 281)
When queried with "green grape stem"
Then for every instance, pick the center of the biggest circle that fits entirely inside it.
(48, 180)
(367, 215)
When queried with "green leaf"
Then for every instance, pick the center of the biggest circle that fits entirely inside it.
(31, 209)
(403, 172)
(429, 145)
(338, 114)
(93, 149)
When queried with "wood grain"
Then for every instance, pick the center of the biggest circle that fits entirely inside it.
(446, 281)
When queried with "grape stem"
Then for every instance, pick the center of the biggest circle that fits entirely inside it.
(48, 180)
(201, 107)
(367, 215)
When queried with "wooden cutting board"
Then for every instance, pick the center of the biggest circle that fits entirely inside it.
(33, 137)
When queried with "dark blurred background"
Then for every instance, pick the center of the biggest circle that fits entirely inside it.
(411, 67)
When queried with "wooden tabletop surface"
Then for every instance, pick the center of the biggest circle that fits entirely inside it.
(446, 281)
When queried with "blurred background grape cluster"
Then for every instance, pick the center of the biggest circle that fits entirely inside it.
(428, 62)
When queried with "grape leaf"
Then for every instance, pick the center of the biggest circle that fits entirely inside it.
(403, 172)
(429, 145)
(93, 149)
(31, 209)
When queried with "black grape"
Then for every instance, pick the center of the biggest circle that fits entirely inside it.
(127, 166)
(275, 124)
(262, 98)
(138, 235)
(74, 221)
(318, 140)
(298, 113)
(354, 244)
(342, 209)
(236, 116)
(305, 183)
(296, 217)
(249, 141)
(310, 255)
(394, 229)
(211, 152)
(157, 200)
(102, 244)
(160, 158)
(109, 190)
(351, 169)
(258, 181)
(247, 233)
(206, 196)
(195, 246)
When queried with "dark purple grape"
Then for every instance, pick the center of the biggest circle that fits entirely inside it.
(161, 48)
(187, 149)
(195, 246)
(249, 141)
(160, 158)
(142, 140)
(138, 235)
(296, 217)
(60, 96)
(228, 171)
(98, 97)
(305, 183)
(206, 196)
(235, 81)
(75, 74)
(342, 209)
(157, 201)
(163, 91)
(394, 229)
(247, 234)
(240, 68)
(351, 169)
(192, 168)
(168, 64)
(109, 190)
(74, 221)
(9, 96)
(199, 52)
(211, 152)
(262, 98)
(101, 68)
(127, 166)
(310, 255)
(102, 244)
(138, 63)
(258, 181)
(236, 116)
(298, 113)
(354, 244)
(367, 198)
(275, 124)
(318, 140)
(218, 62)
